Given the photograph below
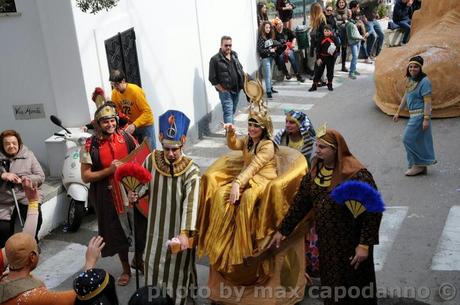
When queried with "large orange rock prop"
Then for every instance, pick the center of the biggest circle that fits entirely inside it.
(436, 37)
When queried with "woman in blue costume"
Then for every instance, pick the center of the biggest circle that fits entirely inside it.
(417, 137)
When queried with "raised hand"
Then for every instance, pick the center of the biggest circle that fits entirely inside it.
(30, 189)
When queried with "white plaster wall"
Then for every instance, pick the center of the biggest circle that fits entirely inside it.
(54, 54)
(24, 75)
(40, 64)
(175, 41)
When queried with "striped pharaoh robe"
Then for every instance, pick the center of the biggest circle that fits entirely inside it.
(173, 208)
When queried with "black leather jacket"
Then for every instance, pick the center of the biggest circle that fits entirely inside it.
(219, 72)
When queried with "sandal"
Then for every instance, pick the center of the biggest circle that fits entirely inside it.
(139, 266)
(123, 279)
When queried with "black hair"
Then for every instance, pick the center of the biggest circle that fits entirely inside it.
(225, 37)
(150, 295)
(353, 4)
(327, 27)
(117, 76)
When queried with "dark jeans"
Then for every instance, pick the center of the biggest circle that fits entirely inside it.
(344, 45)
(146, 132)
(229, 101)
(375, 37)
(405, 26)
(282, 65)
(327, 62)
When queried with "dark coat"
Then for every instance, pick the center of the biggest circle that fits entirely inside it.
(219, 71)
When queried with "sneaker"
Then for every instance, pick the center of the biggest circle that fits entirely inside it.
(288, 77)
(352, 76)
(356, 73)
(368, 61)
(300, 78)
(344, 69)
(274, 91)
(269, 95)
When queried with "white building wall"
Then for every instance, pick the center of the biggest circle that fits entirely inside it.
(174, 45)
(54, 54)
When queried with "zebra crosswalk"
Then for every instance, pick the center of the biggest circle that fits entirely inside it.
(60, 260)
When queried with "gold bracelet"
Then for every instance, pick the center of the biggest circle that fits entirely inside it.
(33, 204)
(427, 117)
(365, 247)
(237, 181)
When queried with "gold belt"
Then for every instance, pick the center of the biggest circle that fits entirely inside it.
(416, 112)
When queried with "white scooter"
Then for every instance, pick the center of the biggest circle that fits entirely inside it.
(76, 189)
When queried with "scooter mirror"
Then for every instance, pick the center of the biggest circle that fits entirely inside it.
(58, 122)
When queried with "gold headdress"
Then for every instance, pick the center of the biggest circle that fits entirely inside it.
(105, 111)
(258, 108)
(320, 135)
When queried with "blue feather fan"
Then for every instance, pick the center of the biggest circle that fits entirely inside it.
(361, 192)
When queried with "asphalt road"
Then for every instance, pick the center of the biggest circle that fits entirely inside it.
(419, 258)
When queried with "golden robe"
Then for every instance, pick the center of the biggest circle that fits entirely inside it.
(233, 235)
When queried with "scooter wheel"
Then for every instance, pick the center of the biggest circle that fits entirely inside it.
(75, 215)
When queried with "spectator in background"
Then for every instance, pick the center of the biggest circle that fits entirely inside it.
(267, 47)
(130, 100)
(358, 20)
(342, 14)
(326, 54)
(261, 13)
(317, 24)
(330, 19)
(354, 39)
(285, 52)
(16, 162)
(226, 75)
(401, 16)
(285, 11)
(375, 34)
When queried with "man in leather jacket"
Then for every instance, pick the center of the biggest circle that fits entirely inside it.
(226, 75)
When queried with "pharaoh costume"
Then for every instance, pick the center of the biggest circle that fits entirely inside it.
(307, 131)
(100, 152)
(418, 142)
(173, 206)
(339, 232)
(229, 234)
(306, 146)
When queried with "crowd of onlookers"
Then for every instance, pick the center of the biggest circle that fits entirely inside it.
(332, 30)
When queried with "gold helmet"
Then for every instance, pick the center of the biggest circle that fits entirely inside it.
(106, 111)
(258, 107)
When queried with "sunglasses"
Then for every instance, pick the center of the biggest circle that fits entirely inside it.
(328, 10)
(227, 45)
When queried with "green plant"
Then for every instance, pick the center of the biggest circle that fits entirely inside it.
(383, 10)
(94, 6)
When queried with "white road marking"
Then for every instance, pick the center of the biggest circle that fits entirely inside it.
(447, 255)
(59, 267)
(289, 106)
(210, 143)
(203, 163)
(304, 93)
(392, 220)
(275, 118)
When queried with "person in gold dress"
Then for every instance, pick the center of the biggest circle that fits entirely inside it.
(243, 197)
